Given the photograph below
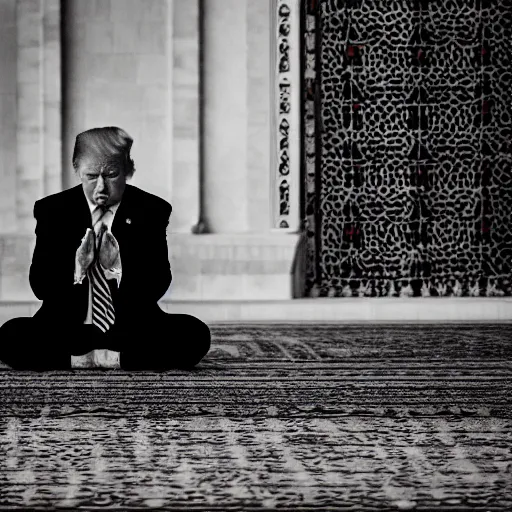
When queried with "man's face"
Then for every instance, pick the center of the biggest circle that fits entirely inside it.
(103, 181)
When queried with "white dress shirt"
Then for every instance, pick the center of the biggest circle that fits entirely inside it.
(111, 273)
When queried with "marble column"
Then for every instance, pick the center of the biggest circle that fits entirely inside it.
(8, 82)
(237, 115)
(52, 97)
(30, 103)
(185, 115)
(38, 139)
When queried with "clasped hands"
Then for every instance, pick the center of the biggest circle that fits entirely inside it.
(108, 252)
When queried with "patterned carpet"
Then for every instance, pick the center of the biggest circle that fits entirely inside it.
(277, 417)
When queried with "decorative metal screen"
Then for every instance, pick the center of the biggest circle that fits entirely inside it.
(408, 147)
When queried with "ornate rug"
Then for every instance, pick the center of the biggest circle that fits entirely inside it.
(276, 417)
(407, 146)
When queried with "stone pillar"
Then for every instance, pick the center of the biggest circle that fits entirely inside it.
(225, 76)
(8, 82)
(38, 106)
(52, 97)
(259, 112)
(185, 116)
(29, 133)
(236, 116)
(30, 151)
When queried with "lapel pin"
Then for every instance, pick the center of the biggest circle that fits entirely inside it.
(128, 221)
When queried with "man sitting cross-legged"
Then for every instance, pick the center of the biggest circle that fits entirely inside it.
(100, 265)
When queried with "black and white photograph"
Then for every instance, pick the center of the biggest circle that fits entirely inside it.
(256, 255)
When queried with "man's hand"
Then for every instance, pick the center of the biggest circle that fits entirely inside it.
(85, 253)
(109, 251)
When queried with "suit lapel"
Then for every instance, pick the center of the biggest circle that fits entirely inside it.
(122, 218)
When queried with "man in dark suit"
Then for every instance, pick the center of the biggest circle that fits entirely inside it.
(100, 265)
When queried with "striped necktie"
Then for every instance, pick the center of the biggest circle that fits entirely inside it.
(103, 314)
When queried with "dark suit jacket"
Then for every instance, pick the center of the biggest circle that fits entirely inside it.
(139, 227)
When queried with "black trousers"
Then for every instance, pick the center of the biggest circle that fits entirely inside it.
(159, 343)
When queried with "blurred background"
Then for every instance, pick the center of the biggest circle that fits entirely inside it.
(311, 149)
